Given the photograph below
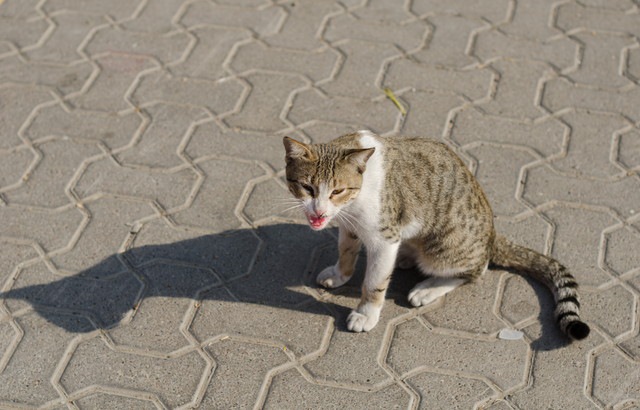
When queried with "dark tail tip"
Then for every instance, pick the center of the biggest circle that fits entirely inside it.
(578, 330)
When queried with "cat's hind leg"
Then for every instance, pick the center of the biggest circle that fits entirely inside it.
(337, 275)
(434, 287)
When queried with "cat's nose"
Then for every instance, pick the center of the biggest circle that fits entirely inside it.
(320, 213)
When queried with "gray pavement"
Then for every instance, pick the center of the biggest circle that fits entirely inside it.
(147, 259)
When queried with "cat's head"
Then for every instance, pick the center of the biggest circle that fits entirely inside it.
(324, 178)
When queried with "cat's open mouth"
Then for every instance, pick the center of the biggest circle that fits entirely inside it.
(317, 223)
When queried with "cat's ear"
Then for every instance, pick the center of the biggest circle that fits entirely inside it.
(359, 157)
(296, 149)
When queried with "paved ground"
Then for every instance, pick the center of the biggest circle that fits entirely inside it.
(145, 258)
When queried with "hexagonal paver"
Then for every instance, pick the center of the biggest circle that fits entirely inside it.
(470, 308)
(27, 378)
(448, 391)
(220, 314)
(222, 188)
(94, 363)
(107, 176)
(45, 185)
(169, 290)
(629, 149)
(414, 346)
(243, 366)
(105, 295)
(290, 389)
(230, 254)
(13, 116)
(616, 378)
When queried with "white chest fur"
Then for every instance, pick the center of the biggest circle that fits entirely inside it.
(366, 208)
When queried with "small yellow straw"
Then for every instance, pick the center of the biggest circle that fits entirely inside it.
(393, 98)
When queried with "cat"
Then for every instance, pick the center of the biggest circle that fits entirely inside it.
(411, 202)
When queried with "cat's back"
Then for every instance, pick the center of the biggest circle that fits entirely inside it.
(418, 148)
(406, 146)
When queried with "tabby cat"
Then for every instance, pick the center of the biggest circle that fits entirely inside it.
(413, 202)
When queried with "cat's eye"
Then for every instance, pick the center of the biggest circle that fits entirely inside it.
(307, 188)
(337, 191)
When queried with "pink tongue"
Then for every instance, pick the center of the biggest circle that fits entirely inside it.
(315, 221)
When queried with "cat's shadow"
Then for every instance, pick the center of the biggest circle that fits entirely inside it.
(273, 265)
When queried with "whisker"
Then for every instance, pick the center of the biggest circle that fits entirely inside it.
(291, 208)
(351, 218)
(343, 218)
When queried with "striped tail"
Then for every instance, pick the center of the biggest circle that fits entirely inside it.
(551, 273)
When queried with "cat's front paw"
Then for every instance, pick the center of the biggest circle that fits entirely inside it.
(331, 278)
(363, 321)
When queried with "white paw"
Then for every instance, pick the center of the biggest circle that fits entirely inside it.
(363, 322)
(431, 289)
(422, 297)
(330, 278)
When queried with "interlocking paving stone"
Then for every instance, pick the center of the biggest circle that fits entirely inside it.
(431, 122)
(555, 370)
(158, 145)
(264, 22)
(289, 389)
(23, 99)
(629, 149)
(114, 131)
(94, 362)
(147, 257)
(472, 84)
(159, 88)
(112, 401)
(54, 230)
(449, 41)
(272, 325)
(302, 23)
(117, 10)
(471, 309)
(65, 79)
(107, 91)
(414, 346)
(106, 176)
(501, 194)
(25, 380)
(531, 20)
(208, 209)
(592, 141)
(621, 245)
(600, 65)
(62, 45)
(447, 391)
(45, 185)
(493, 10)
(242, 365)
(14, 165)
(210, 139)
(471, 126)
(158, 317)
(492, 44)
(212, 49)
(317, 66)
(609, 386)
(269, 93)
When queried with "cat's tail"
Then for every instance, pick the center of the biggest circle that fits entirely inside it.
(550, 272)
